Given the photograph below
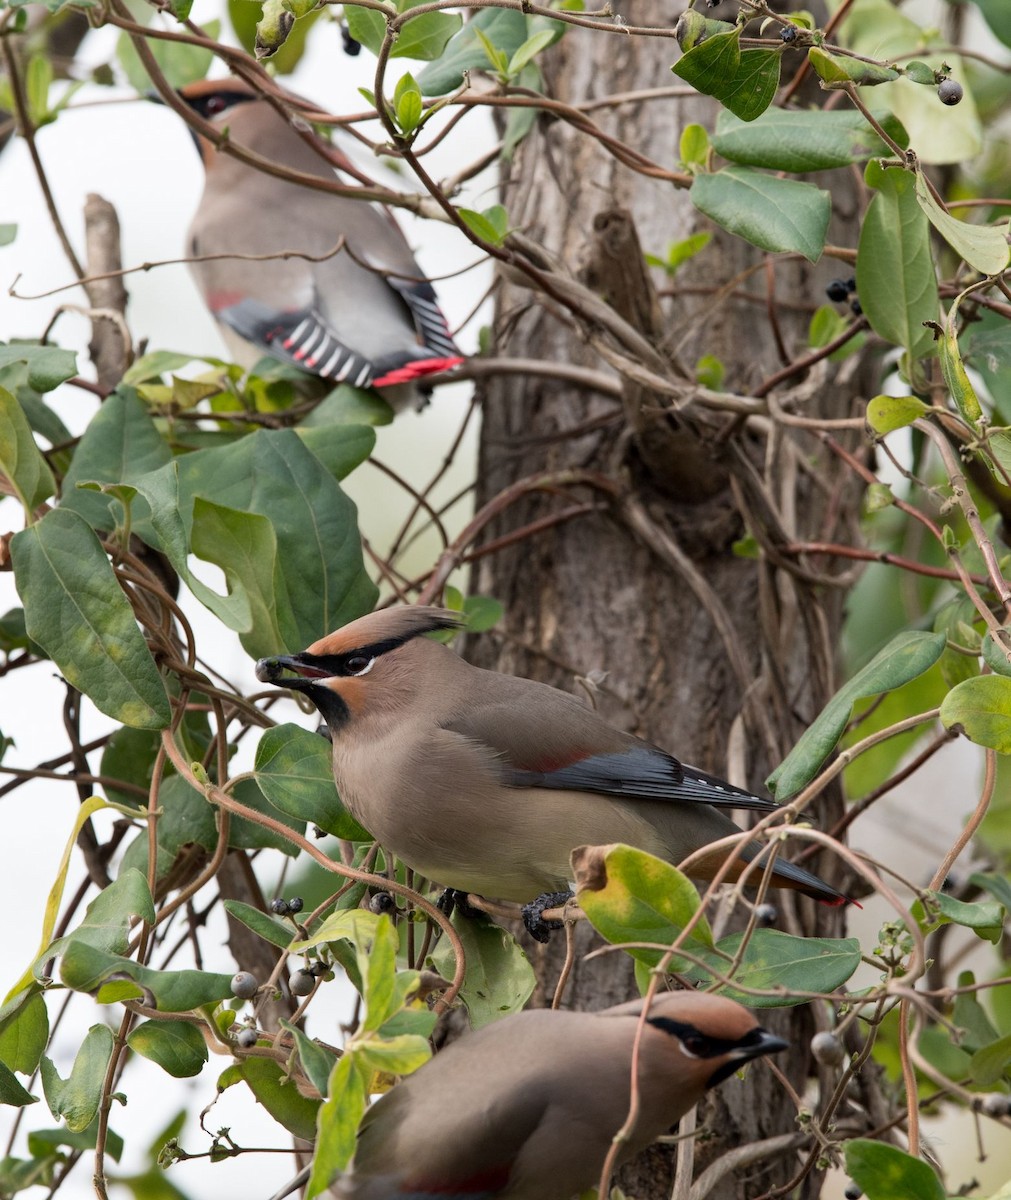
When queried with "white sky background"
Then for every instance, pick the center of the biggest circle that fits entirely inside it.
(140, 157)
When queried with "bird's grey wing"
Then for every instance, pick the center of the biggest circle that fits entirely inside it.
(574, 750)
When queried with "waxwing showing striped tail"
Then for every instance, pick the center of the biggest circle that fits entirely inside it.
(527, 1108)
(363, 315)
(485, 783)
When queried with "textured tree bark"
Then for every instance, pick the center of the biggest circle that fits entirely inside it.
(726, 683)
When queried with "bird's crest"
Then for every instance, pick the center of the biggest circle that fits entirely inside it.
(385, 630)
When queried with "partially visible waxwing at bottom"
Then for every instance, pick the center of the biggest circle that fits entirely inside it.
(363, 315)
(527, 1108)
(485, 783)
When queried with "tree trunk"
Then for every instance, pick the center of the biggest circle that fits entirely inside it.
(721, 659)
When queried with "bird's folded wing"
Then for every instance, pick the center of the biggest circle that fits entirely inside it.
(302, 337)
(569, 760)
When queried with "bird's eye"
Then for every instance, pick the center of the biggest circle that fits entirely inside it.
(694, 1044)
(359, 664)
(215, 105)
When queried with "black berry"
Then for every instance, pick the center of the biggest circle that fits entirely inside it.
(855, 307)
(279, 906)
(837, 291)
(853, 1192)
(766, 914)
(788, 33)
(319, 969)
(351, 47)
(950, 91)
(997, 1104)
(381, 902)
(295, 904)
(302, 983)
(246, 1038)
(244, 985)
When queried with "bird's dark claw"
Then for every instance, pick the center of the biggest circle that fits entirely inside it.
(454, 900)
(533, 914)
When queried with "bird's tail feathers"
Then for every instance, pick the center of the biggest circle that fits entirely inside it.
(416, 369)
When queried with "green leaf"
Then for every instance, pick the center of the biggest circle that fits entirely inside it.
(407, 103)
(998, 16)
(243, 18)
(76, 610)
(121, 444)
(424, 38)
(393, 1056)
(797, 140)
(997, 885)
(955, 375)
(366, 25)
(499, 979)
(271, 929)
(885, 1172)
(895, 267)
(984, 247)
(180, 62)
(990, 1064)
(985, 918)
(529, 50)
(839, 70)
(48, 366)
(337, 1124)
(378, 964)
(321, 575)
(345, 406)
(774, 214)
(85, 968)
(107, 919)
(906, 656)
(744, 81)
(694, 144)
(482, 613)
(317, 1061)
(176, 1046)
(8, 233)
(888, 413)
(279, 1096)
(294, 772)
(981, 709)
(774, 961)
(12, 1090)
(23, 1036)
(920, 72)
(153, 366)
(491, 225)
(20, 458)
(506, 29)
(631, 896)
(244, 545)
(76, 1099)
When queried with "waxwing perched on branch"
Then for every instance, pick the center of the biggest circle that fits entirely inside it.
(527, 1108)
(485, 783)
(364, 315)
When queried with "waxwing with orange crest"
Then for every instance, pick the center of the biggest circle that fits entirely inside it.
(485, 783)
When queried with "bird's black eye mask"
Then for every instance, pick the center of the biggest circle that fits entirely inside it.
(755, 1043)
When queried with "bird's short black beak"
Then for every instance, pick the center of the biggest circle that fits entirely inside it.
(756, 1044)
(290, 671)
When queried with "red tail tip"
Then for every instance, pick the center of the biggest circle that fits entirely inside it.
(416, 369)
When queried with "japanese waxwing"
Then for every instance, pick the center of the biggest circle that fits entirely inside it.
(364, 315)
(485, 783)
(527, 1108)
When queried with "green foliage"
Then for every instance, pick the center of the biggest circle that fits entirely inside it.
(228, 486)
(907, 656)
